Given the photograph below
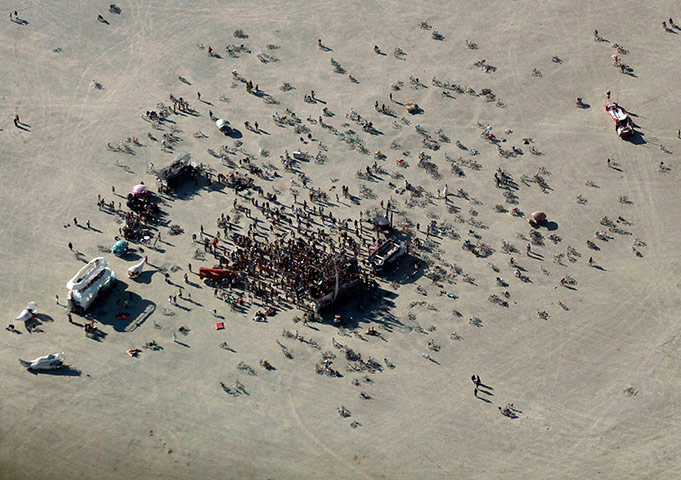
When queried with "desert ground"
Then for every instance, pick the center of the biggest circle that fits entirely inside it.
(591, 366)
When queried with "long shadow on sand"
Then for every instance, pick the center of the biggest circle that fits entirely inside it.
(66, 371)
(123, 310)
(370, 307)
(43, 317)
(636, 138)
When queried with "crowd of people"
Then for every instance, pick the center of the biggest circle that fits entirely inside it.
(295, 268)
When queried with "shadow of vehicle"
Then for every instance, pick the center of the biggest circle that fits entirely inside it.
(145, 276)
(130, 309)
(66, 371)
(369, 307)
(636, 138)
(43, 317)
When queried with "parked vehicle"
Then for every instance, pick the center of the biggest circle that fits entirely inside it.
(387, 253)
(623, 124)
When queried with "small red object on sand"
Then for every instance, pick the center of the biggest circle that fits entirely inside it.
(219, 326)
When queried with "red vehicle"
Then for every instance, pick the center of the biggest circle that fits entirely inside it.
(623, 124)
(216, 274)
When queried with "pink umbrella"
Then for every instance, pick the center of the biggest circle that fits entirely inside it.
(139, 189)
(537, 218)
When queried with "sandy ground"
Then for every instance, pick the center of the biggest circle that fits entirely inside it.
(164, 415)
